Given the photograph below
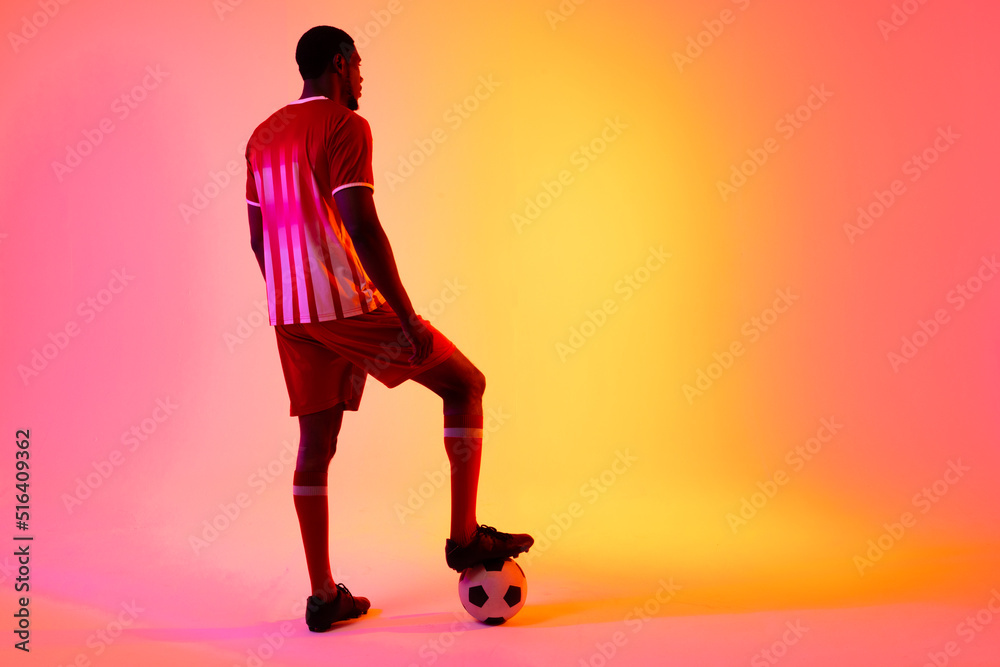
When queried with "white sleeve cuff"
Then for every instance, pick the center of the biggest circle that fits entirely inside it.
(352, 185)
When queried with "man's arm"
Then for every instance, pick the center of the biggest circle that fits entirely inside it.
(257, 234)
(357, 210)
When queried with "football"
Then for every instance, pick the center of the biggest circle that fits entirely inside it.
(493, 591)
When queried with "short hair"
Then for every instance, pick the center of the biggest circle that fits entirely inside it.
(317, 48)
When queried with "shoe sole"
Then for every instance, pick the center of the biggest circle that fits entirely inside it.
(317, 628)
(477, 562)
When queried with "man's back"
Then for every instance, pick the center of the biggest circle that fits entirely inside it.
(296, 160)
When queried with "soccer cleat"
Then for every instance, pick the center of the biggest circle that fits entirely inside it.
(321, 615)
(486, 543)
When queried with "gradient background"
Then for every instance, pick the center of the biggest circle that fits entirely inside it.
(185, 329)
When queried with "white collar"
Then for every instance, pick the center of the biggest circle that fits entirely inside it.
(308, 99)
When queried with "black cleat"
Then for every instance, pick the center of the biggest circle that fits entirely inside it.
(486, 543)
(321, 615)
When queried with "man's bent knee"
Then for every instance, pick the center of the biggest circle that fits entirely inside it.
(470, 387)
(477, 383)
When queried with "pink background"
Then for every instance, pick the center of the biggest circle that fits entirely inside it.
(574, 384)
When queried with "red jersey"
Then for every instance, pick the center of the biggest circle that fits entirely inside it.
(296, 160)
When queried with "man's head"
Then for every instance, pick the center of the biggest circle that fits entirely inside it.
(327, 56)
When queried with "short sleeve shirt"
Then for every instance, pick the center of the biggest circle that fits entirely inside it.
(296, 160)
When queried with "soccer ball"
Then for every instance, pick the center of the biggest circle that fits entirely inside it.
(493, 591)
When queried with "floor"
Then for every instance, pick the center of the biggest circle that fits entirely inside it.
(422, 625)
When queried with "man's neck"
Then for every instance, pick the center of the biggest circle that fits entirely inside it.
(311, 89)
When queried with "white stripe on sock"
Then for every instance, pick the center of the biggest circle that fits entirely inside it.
(462, 432)
(308, 490)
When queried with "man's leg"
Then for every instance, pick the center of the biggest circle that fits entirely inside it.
(317, 376)
(317, 445)
(460, 385)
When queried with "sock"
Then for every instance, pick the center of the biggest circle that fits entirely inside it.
(463, 440)
(309, 494)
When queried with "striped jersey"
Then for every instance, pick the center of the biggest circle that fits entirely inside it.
(296, 160)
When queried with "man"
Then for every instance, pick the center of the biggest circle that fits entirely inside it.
(340, 311)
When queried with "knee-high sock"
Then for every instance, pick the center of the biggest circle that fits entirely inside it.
(463, 440)
(309, 494)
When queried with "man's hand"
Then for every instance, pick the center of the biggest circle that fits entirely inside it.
(357, 210)
(421, 340)
(257, 235)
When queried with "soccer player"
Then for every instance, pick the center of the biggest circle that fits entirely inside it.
(340, 312)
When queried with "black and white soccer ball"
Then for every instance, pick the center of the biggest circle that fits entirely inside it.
(493, 591)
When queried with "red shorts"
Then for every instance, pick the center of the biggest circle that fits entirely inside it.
(326, 363)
